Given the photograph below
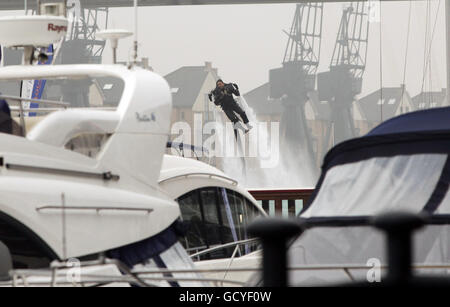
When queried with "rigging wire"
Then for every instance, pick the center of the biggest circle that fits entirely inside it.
(427, 58)
(381, 68)
(406, 55)
(425, 44)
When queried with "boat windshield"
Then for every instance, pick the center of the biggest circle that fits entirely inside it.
(42, 97)
(26, 103)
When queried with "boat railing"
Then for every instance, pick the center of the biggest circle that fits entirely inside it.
(56, 275)
(196, 249)
(237, 244)
(16, 109)
(45, 107)
(20, 101)
(57, 105)
(283, 202)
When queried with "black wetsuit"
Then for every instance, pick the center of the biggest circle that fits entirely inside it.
(223, 97)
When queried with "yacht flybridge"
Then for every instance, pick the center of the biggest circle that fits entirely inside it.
(42, 178)
(58, 204)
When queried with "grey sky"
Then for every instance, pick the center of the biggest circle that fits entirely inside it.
(245, 41)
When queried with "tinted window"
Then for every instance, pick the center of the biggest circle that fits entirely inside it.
(239, 213)
(216, 216)
(193, 218)
(212, 221)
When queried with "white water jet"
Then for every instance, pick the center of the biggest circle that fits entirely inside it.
(253, 170)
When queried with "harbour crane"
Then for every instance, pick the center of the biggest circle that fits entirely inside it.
(343, 81)
(292, 82)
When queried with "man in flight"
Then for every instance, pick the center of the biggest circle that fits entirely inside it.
(223, 97)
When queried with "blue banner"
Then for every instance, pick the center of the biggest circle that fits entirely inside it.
(38, 87)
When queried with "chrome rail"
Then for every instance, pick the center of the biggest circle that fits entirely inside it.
(236, 249)
(296, 268)
(222, 246)
(21, 277)
(67, 172)
(107, 279)
(38, 101)
(233, 182)
(35, 110)
(48, 110)
(98, 209)
(128, 277)
(21, 110)
(196, 248)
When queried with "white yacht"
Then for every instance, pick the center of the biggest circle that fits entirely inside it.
(214, 207)
(215, 211)
(59, 205)
(86, 179)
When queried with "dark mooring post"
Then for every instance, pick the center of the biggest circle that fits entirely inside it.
(274, 234)
(399, 228)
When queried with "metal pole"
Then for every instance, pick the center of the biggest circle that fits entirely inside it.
(447, 40)
(64, 228)
(22, 119)
(135, 31)
(274, 234)
(399, 228)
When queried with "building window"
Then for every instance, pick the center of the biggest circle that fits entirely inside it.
(206, 109)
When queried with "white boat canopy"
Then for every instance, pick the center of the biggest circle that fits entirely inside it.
(403, 164)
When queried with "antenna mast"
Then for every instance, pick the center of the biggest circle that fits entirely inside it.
(135, 32)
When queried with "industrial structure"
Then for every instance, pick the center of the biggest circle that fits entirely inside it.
(79, 47)
(292, 83)
(343, 81)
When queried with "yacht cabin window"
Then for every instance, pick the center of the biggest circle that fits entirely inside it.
(215, 216)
